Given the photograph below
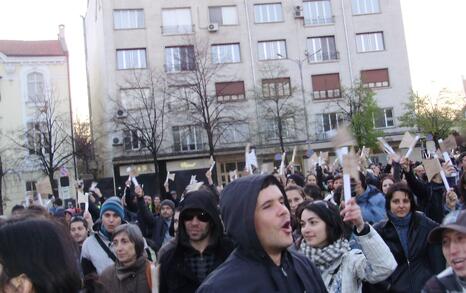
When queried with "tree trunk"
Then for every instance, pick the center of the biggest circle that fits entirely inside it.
(156, 174)
(53, 184)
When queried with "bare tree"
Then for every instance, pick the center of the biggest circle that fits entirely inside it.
(84, 146)
(209, 108)
(278, 107)
(46, 139)
(141, 113)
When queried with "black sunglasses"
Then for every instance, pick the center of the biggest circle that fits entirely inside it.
(200, 215)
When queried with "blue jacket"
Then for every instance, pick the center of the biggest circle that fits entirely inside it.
(372, 204)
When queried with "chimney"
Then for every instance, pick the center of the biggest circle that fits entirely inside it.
(61, 37)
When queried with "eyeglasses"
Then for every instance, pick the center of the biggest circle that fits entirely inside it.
(200, 215)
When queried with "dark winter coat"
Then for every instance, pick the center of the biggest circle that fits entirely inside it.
(153, 222)
(424, 259)
(430, 197)
(120, 279)
(175, 275)
(249, 268)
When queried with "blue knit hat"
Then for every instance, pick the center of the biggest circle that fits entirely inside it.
(113, 204)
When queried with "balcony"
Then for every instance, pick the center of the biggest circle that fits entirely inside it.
(177, 29)
(319, 20)
(323, 57)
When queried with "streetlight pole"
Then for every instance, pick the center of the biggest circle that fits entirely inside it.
(299, 62)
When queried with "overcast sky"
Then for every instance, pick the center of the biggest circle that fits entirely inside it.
(435, 34)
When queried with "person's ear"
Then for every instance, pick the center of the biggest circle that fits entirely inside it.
(22, 284)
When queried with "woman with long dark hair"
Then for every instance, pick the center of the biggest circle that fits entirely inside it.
(37, 255)
(343, 269)
(405, 231)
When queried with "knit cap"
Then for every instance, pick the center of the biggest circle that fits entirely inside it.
(113, 204)
(167, 202)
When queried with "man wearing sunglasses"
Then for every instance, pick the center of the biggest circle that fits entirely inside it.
(200, 245)
(256, 215)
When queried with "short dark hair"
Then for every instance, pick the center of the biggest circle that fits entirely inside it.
(272, 180)
(313, 191)
(76, 219)
(330, 214)
(58, 202)
(43, 251)
(16, 208)
(400, 186)
(298, 188)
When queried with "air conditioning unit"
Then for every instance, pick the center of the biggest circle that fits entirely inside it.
(117, 140)
(121, 113)
(213, 27)
(298, 12)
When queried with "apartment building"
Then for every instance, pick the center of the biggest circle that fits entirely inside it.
(31, 72)
(305, 49)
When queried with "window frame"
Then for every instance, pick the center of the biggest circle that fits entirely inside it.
(386, 119)
(221, 13)
(140, 12)
(276, 84)
(368, 84)
(365, 12)
(264, 50)
(190, 65)
(177, 31)
(318, 55)
(360, 41)
(327, 20)
(239, 97)
(36, 87)
(279, 4)
(218, 57)
(127, 50)
(193, 129)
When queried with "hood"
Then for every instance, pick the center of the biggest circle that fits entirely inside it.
(238, 204)
(203, 200)
(368, 193)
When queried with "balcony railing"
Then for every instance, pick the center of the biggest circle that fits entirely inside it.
(177, 29)
(319, 20)
(324, 56)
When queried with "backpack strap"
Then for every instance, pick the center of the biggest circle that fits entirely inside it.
(110, 254)
(149, 274)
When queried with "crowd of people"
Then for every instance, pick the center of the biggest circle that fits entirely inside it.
(400, 232)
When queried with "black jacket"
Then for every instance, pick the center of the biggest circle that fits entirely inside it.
(154, 223)
(249, 268)
(424, 259)
(175, 275)
(429, 195)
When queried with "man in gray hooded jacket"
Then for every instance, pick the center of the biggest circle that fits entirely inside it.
(256, 215)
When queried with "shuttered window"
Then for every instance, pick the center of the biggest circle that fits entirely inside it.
(326, 86)
(375, 78)
(230, 91)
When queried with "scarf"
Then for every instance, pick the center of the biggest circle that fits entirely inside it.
(402, 228)
(325, 256)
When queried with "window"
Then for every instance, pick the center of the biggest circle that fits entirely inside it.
(234, 133)
(227, 167)
(276, 87)
(268, 13)
(230, 91)
(365, 6)
(35, 81)
(225, 53)
(128, 19)
(131, 58)
(288, 128)
(132, 140)
(321, 49)
(179, 59)
(331, 121)
(31, 185)
(384, 118)
(134, 98)
(224, 15)
(180, 97)
(176, 21)
(187, 138)
(375, 78)
(268, 50)
(326, 86)
(317, 12)
(368, 42)
(37, 138)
